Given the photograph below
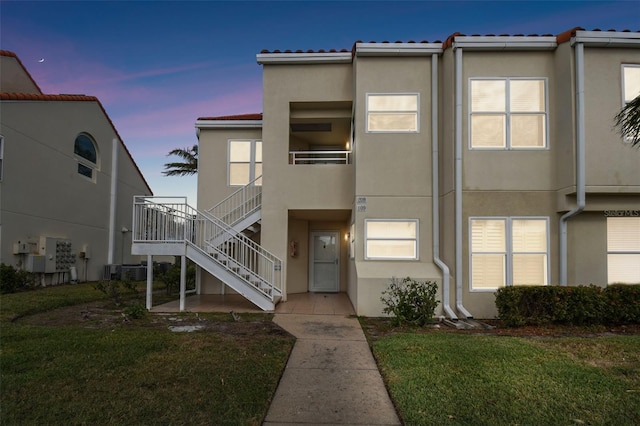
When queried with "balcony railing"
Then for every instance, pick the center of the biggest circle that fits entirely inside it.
(319, 157)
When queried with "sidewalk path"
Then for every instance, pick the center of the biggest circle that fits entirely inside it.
(331, 377)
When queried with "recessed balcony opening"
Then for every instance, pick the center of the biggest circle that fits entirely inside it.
(320, 133)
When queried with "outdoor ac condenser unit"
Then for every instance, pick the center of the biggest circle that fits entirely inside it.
(111, 272)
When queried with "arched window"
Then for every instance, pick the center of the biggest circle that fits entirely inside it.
(86, 154)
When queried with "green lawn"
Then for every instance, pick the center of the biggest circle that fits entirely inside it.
(133, 372)
(445, 378)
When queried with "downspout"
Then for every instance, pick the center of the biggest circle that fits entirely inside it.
(113, 199)
(458, 182)
(580, 163)
(435, 205)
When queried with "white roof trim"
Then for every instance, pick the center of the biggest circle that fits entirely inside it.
(506, 42)
(304, 58)
(606, 38)
(229, 124)
(397, 49)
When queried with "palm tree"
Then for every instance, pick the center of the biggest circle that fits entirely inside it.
(186, 168)
(628, 122)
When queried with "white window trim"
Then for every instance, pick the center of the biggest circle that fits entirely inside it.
(625, 139)
(508, 249)
(416, 239)
(616, 252)
(507, 114)
(417, 111)
(252, 161)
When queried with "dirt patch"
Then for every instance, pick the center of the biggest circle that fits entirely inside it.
(103, 315)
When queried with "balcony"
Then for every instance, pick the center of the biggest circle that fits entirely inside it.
(320, 133)
(319, 157)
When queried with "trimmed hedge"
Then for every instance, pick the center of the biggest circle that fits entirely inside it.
(582, 305)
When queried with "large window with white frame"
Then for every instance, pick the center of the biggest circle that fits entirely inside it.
(391, 239)
(623, 250)
(507, 251)
(630, 85)
(393, 112)
(508, 113)
(245, 162)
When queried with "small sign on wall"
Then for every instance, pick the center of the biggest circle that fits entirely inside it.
(361, 204)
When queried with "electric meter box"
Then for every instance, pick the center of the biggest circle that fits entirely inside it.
(57, 253)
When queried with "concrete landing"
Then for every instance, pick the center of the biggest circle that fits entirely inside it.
(331, 377)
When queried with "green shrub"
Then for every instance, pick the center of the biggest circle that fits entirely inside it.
(135, 311)
(410, 301)
(171, 278)
(622, 304)
(117, 291)
(12, 280)
(581, 305)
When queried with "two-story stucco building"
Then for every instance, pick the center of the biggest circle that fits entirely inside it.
(478, 162)
(67, 182)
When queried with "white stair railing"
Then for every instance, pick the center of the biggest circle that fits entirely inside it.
(171, 220)
(242, 203)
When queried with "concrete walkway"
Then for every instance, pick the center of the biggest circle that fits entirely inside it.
(331, 377)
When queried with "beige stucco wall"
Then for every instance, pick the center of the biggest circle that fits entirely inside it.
(43, 194)
(13, 78)
(611, 165)
(213, 146)
(288, 187)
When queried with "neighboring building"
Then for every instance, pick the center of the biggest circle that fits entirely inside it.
(480, 162)
(67, 182)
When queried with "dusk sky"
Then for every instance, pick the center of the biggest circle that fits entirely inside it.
(157, 66)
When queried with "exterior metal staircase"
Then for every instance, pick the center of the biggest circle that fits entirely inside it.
(168, 226)
(241, 211)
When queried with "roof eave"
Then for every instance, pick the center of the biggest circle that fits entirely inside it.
(304, 58)
(229, 124)
(606, 39)
(505, 42)
(397, 49)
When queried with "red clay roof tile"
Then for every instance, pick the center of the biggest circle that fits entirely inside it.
(255, 116)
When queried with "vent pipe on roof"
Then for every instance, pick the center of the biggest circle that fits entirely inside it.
(580, 162)
(435, 194)
(458, 182)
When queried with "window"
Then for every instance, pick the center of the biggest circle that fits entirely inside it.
(508, 251)
(623, 250)
(86, 154)
(391, 239)
(392, 112)
(630, 85)
(245, 162)
(508, 113)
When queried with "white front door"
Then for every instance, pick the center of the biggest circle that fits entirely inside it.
(324, 261)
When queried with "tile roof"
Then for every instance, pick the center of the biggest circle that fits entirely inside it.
(255, 116)
(561, 38)
(36, 97)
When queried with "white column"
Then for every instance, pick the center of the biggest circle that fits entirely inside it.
(149, 281)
